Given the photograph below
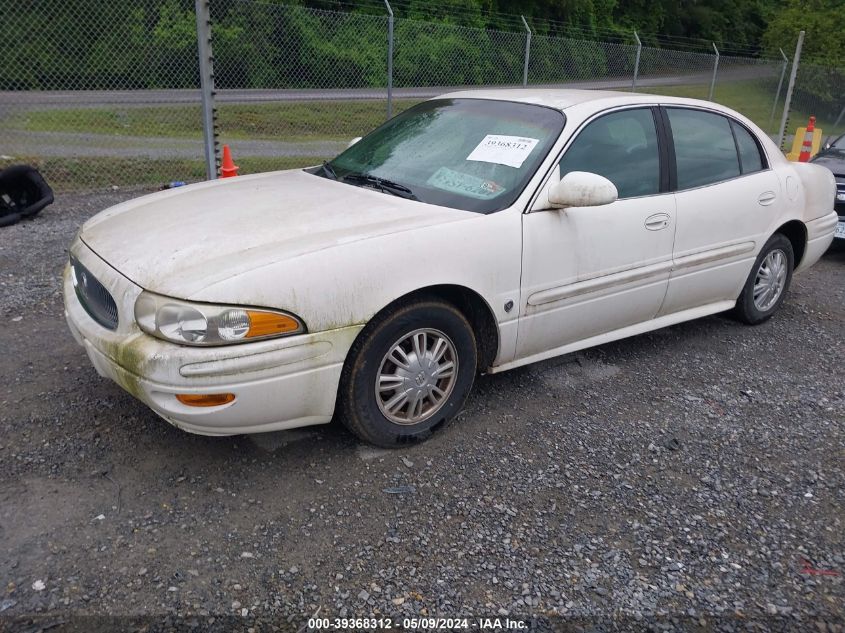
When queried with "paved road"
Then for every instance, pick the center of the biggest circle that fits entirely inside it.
(74, 145)
(99, 98)
(690, 477)
(65, 99)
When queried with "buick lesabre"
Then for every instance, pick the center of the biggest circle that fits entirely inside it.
(475, 232)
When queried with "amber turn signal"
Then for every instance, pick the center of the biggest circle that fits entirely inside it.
(205, 399)
(269, 323)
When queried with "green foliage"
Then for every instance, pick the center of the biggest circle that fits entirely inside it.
(174, 38)
(339, 50)
(740, 23)
(820, 86)
(436, 54)
(555, 61)
(824, 24)
(90, 44)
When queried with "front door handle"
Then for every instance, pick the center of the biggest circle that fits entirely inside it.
(766, 198)
(657, 221)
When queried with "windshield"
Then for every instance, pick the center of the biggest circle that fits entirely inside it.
(838, 143)
(469, 154)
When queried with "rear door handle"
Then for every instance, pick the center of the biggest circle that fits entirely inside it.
(766, 198)
(657, 221)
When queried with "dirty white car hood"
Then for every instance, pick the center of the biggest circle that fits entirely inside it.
(180, 241)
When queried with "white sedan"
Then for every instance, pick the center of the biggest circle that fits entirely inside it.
(478, 231)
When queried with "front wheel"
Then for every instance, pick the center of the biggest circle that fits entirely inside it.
(408, 373)
(768, 281)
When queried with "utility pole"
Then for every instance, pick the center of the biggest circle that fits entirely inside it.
(792, 75)
(715, 70)
(636, 62)
(209, 112)
(527, 52)
(389, 60)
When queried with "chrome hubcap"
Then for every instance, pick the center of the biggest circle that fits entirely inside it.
(770, 280)
(416, 376)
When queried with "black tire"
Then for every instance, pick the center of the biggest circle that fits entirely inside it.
(8, 219)
(746, 310)
(359, 405)
(26, 188)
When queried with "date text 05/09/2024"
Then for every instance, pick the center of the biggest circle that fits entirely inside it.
(418, 624)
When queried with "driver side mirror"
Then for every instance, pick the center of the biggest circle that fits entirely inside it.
(578, 189)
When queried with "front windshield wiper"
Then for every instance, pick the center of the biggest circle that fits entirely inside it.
(327, 169)
(382, 184)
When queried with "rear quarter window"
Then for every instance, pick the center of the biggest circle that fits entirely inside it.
(750, 155)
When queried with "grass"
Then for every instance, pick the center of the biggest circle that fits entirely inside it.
(85, 174)
(287, 121)
(293, 122)
(753, 99)
(332, 120)
(281, 121)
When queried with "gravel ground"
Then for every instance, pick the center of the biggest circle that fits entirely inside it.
(690, 478)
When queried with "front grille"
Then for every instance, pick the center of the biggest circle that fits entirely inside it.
(93, 296)
(839, 203)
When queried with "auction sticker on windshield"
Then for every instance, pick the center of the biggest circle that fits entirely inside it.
(457, 182)
(503, 150)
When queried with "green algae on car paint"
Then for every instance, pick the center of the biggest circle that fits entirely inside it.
(132, 361)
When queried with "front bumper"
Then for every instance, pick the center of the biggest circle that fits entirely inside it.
(278, 384)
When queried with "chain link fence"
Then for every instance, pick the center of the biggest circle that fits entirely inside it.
(556, 60)
(98, 94)
(819, 92)
(753, 87)
(428, 54)
(110, 95)
(690, 73)
(295, 84)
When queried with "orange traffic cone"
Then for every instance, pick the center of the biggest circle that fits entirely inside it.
(228, 169)
(807, 145)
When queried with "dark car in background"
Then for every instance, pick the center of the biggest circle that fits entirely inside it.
(832, 156)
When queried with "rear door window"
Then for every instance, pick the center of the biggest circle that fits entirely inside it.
(705, 151)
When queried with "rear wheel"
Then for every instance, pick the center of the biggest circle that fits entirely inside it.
(408, 373)
(768, 281)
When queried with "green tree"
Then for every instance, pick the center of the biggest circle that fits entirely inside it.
(821, 85)
(824, 24)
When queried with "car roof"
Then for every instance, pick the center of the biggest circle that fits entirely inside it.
(561, 99)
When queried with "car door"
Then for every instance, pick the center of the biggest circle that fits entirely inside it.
(726, 198)
(591, 270)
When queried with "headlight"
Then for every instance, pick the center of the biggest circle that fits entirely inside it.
(181, 323)
(201, 324)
